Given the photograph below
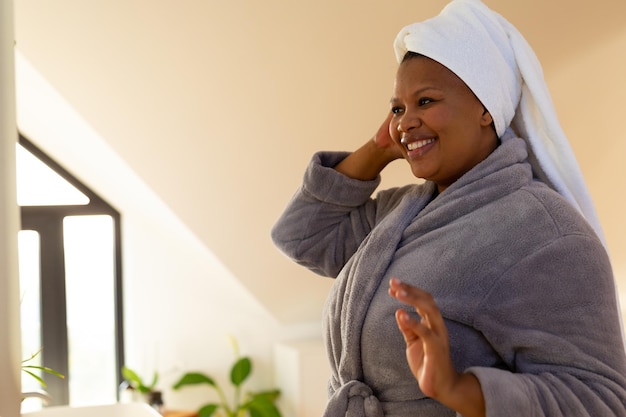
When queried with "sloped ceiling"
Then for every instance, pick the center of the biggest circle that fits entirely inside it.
(218, 105)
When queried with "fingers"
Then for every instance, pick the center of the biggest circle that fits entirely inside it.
(410, 327)
(382, 137)
(424, 305)
(427, 341)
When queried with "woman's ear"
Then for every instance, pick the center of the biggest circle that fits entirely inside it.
(486, 118)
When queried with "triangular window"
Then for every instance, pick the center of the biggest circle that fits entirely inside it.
(70, 283)
(40, 185)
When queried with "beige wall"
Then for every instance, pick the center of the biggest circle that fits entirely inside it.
(590, 96)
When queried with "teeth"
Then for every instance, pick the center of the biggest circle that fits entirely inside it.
(414, 145)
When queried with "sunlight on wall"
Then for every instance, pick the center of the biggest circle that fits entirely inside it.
(180, 301)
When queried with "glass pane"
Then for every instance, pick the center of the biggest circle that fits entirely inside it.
(29, 272)
(39, 185)
(89, 268)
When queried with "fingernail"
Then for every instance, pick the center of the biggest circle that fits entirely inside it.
(404, 316)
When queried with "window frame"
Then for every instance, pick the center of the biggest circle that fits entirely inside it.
(48, 222)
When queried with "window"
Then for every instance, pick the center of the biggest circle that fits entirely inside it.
(70, 282)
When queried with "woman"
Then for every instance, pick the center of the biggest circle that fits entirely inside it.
(512, 301)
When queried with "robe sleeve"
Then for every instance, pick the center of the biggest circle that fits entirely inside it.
(327, 218)
(330, 215)
(553, 318)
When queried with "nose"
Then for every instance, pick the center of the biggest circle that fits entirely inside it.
(408, 121)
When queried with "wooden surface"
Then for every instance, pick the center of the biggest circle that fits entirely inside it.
(178, 413)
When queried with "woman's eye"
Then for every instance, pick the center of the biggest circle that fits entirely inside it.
(396, 110)
(424, 101)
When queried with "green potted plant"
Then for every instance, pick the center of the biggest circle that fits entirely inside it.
(134, 388)
(30, 369)
(137, 383)
(252, 404)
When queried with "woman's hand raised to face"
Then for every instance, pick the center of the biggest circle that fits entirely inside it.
(367, 162)
(428, 353)
(383, 140)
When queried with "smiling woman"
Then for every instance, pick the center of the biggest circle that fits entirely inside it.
(485, 289)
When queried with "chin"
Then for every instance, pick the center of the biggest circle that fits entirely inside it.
(420, 173)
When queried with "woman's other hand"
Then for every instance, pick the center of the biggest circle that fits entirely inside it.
(428, 353)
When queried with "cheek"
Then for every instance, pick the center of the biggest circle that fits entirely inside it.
(438, 119)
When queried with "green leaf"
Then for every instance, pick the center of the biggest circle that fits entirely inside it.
(240, 371)
(33, 356)
(207, 410)
(131, 376)
(271, 395)
(43, 369)
(193, 378)
(155, 379)
(27, 368)
(37, 377)
(262, 406)
(136, 382)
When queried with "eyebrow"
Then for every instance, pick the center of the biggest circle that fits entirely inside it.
(418, 92)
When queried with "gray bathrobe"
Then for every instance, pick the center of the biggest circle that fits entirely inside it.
(523, 283)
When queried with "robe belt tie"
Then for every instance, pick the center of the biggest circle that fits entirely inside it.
(353, 399)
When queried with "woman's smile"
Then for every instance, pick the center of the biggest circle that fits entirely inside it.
(417, 148)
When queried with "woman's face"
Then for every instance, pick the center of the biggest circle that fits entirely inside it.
(440, 125)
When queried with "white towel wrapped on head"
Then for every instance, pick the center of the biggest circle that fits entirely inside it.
(502, 70)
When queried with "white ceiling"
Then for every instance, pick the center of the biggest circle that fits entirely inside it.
(218, 105)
